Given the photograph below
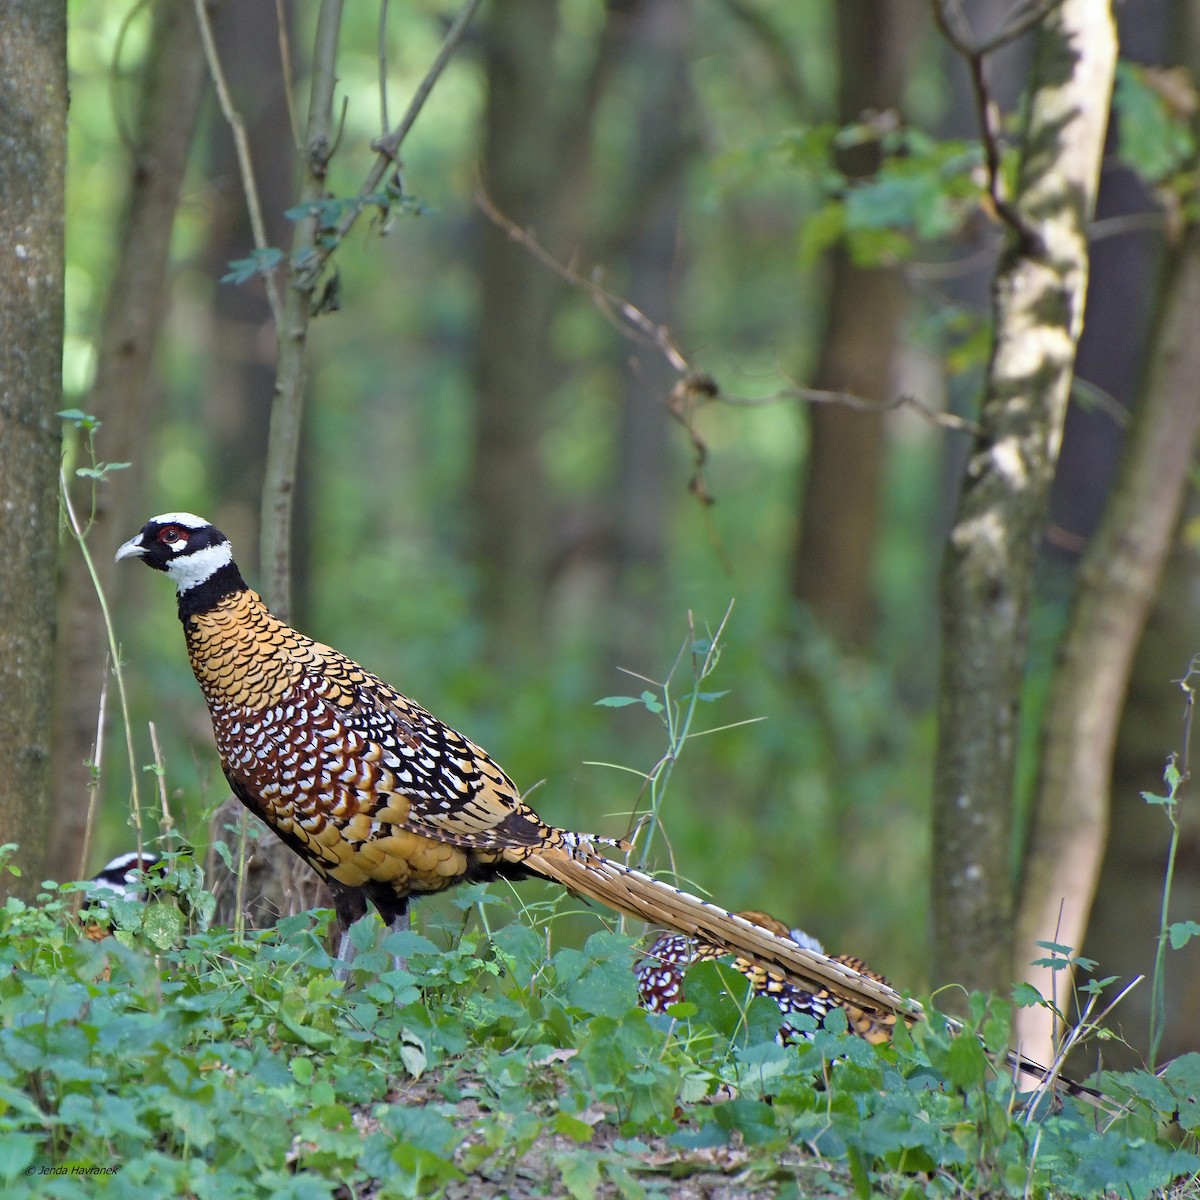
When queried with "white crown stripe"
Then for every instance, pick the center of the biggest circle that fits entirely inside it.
(186, 519)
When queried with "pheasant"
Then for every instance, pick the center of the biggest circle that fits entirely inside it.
(383, 800)
(123, 877)
(660, 972)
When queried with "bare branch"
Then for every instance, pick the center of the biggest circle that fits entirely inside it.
(384, 123)
(695, 386)
(954, 27)
(285, 60)
(934, 416)
(1023, 17)
(624, 316)
(388, 147)
(242, 147)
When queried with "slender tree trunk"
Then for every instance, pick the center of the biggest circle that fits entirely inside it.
(239, 376)
(536, 151)
(656, 58)
(1038, 302)
(33, 150)
(513, 365)
(834, 557)
(172, 85)
(1117, 584)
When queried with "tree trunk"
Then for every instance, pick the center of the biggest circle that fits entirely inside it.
(536, 150)
(1038, 303)
(173, 78)
(239, 375)
(835, 553)
(656, 59)
(1117, 585)
(513, 366)
(33, 130)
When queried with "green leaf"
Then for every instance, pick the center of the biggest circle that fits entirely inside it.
(617, 701)
(16, 1153)
(651, 701)
(79, 418)
(163, 925)
(1025, 995)
(1057, 948)
(580, 1175)
(1182, 932)
(572, 1127)
(753, 1119)
(406, 943)
(260, 262)
(1151, 798)
(966, 1063)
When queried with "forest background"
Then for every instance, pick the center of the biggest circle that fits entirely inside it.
(510, 492)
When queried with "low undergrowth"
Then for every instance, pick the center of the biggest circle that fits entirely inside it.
(159, 1062)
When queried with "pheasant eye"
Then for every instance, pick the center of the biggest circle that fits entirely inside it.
(172, 535)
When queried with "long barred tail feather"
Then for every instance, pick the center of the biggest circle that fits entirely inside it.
(638, 895)
(635, 894)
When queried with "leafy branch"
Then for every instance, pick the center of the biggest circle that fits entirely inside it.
(677, 711)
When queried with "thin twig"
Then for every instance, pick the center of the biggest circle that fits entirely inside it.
(285, 60)
(114, 652)
(239, 895)
(128, 141)
(860, 404)
(388, 147)
(954, 28)
(624, 316)
(242, 147)
(384, 123)
(1017, 25)
(695, 388)
(1171, 808)
(168, 822)
(89, 824)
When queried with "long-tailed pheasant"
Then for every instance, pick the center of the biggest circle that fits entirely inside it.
(382, 799)
(125, 878)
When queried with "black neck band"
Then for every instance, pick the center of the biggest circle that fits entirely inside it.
(224, 581)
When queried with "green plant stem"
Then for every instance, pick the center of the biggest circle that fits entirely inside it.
(678, 717)
(1157, 996)
(79, 534)
(239, 901)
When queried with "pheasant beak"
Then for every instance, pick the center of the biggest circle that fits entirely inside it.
(131, 549)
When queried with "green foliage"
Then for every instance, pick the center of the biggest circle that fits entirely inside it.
(206, 1064)
(922, 191)
(1156, 139)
